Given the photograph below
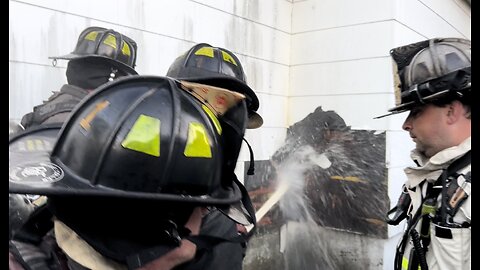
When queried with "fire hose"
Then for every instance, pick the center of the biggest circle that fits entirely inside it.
(273, 200)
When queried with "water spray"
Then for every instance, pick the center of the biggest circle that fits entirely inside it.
(276, 196)
(309, 157)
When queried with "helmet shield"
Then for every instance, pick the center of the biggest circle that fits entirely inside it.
(428, 70)
(133, 138)
(219, 67)
(231, 111)
(107, 45)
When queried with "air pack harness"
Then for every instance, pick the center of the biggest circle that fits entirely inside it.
(452, 198)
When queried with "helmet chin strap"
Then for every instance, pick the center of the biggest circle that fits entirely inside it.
(251, 167)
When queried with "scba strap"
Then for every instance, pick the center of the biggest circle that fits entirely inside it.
(69, 97)
(432, 195)
(34, 245)
(445, 208)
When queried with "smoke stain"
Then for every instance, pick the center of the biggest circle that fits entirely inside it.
(335, 179)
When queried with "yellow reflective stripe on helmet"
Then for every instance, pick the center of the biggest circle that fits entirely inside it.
(144, 136)
(198, 144)
(111, 41)
(91, 36)
(31, 145)
(214, 119)
(206, 51)
(125, 49)
(228, 58)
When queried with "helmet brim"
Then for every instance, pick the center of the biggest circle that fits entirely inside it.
(254, 120)
(67, 186)
(32, 171)
(398, 109)
(71, 56)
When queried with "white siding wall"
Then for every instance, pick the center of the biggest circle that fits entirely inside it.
(298, 54)
(258, 32)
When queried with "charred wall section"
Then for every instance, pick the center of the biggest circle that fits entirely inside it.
(333, 210)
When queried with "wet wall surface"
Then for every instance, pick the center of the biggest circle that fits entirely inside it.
(331, 216)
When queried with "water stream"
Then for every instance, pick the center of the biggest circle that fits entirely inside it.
(303, 243)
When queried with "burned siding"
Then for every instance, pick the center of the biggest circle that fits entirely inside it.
(337, 182)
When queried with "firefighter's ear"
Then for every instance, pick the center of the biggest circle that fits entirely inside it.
(455, 111)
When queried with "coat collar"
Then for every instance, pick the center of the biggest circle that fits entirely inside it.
(430, 169)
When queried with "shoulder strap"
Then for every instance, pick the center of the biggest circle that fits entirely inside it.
(34, 245)
(74, 91)
(247, 203)
(46, 255)
(431, 193)
(15, 257)
(451, 170)
(463, 161)
(36, 227)
(460, 163)
(71, 97)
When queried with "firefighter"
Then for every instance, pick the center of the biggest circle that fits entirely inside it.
(219, 67)
(433, 80)
(101, 55)
(130, 176)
